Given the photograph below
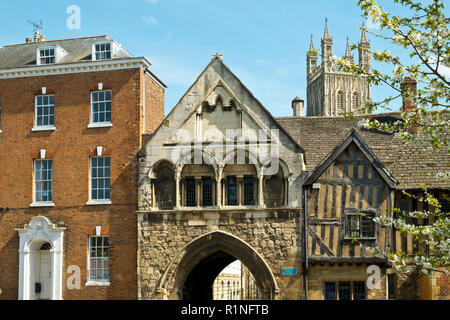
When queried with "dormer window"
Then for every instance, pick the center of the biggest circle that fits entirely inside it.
(103, 51)
(47, 56)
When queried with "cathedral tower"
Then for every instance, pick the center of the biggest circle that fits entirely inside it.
(331, 92)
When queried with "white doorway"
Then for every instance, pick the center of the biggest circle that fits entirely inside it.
(40, 260)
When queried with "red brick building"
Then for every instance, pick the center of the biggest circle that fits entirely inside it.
(73, 114)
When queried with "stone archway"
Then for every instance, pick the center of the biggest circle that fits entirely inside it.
(192, 272)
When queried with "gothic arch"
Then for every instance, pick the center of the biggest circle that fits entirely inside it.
(188, 156)
(164, 174)
(251, 157)
(157, 164)
(176, 274)
(287, 172)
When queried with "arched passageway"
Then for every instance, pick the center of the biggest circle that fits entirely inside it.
(193, 271)
(199, 283)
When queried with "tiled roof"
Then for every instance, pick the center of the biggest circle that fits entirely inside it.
(78, 50)
(410, 164)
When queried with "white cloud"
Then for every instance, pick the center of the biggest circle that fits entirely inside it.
(443, 68)
(372, 25)
(149, 19)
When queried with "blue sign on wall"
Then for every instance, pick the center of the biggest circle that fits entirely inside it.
(289, 271)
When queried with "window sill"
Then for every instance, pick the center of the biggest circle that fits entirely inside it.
(42, 204)
(98, 202)
(100, 125)
(360, 239)
(44, 128)
(97, 284)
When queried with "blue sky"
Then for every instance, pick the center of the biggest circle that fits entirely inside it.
(264, 42)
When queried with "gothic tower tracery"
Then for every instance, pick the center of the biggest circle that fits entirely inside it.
(331, 92)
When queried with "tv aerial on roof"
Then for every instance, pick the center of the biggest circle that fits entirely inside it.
(37, 26)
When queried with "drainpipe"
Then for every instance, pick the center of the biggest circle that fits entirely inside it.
(305, 245)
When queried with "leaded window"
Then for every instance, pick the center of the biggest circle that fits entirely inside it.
(101, 106)
(249, 191)
(360, 225)
(231, 191)
(100, 178)
(45, 110)
(190, 193)
(330, 291)
(345, 290)
(207, 192)
(359, 290)
(99, 258)
(43, 180)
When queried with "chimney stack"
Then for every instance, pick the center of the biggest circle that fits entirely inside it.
(28, 40)
(42, 38)
(36, 37)
(297, 106)
(409, 90)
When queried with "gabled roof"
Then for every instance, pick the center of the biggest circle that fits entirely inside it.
(353, 137)
(219, 60)
(409, 163)
(78, 50)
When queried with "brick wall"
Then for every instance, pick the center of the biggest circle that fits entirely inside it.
(70, 147)
(154, 104)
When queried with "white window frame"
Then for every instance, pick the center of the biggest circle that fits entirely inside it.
(43, 127)
(93, 202)
(59, 53)
(40, 57)
(103, 124)
(98, 282)
(94, 50)
(37, 203)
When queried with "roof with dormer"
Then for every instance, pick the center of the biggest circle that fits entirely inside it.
(77, 49)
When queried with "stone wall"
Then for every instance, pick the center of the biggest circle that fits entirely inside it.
(319, 274)
(164, 239)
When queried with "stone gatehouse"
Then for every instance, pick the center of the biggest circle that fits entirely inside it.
(219, 181)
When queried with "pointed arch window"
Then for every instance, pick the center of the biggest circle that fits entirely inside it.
(340, 102)
(355, 100)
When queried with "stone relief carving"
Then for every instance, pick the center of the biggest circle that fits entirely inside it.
(146, 200)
